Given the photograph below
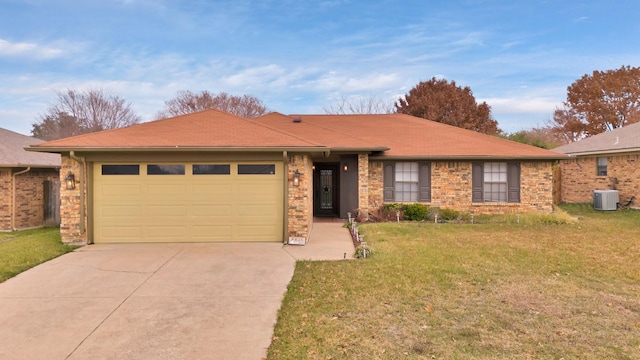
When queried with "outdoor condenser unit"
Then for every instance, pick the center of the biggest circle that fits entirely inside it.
(605, 199)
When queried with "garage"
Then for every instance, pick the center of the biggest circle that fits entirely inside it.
(188, 202)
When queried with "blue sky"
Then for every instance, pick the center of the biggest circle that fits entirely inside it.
(301, 56)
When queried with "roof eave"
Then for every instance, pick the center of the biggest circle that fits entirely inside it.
(55, 149)
(359, 149)
(603, 152)
(37, 166)
(466, 157)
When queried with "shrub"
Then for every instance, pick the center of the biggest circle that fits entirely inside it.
(415, 212)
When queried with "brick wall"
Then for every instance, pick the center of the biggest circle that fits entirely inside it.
(6, 199)
(29, 197)
(376, 184)
(300, 198)
(579, 178)
(72, 222)
(451, 188)
(363, 186)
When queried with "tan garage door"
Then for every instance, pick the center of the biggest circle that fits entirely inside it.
(189, 202)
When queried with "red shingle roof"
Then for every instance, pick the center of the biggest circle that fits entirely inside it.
(403, 135)
(387, 135)
(205, 129)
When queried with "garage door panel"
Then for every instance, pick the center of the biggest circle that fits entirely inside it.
(120, 190)
(212, 190)
(219, 232)
(121, 233)
(166, 191)
(202, 208)
(160, 212)
(121, 211)
(255, 231)
(212, 211)
(172, 231)
(256, 212)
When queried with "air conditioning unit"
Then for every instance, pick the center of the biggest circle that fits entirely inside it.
(605, 199)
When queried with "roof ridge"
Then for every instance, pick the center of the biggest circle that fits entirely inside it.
(280, 131)
(283, 132)
(342, 132)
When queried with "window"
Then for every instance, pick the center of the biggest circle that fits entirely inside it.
(165, 169)
(496, 182)
(406, 176)
(405, 181)
(120, 169)
(602, 166)
(256, 169)
(211, 169)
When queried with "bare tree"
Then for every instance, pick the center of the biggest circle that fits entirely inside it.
(187, 102)
(360, 105)
(83, 112)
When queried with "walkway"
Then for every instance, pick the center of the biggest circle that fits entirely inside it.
(329, 240)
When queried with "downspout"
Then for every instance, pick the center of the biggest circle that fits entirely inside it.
(15, 197)
(83, 164)
(285, 208)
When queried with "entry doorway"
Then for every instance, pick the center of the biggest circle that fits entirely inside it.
(325, 190)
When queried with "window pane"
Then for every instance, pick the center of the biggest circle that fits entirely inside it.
(211, 169)
(406, 177)
(257, 169)
(120, 169)
(495, 182)
(602, 166)
(165, 169)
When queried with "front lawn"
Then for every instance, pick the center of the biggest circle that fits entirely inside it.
(485, 291)
(22, 250)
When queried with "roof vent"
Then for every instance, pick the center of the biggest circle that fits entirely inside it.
(297, 119)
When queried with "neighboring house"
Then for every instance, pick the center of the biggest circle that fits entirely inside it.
(607, 161)
(213, 176)
(25, 181)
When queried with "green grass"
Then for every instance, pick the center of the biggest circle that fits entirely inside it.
(22, 250)
(501, 290)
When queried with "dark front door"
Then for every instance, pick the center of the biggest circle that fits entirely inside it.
(325, 192)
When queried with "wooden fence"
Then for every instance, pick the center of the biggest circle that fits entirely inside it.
(52, 203)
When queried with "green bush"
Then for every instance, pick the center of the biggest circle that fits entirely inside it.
(445, 214)
(415, 212)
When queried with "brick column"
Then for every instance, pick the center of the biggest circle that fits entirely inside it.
(70, 204)
(363, 186)
(300, 199)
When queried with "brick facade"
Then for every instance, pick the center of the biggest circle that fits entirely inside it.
(579, 177)
(6, 199)
(73, 217)
(29, 198)
(451, 188)
(363, 186)
(300, 198)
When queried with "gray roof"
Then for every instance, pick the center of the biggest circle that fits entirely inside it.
(13, 154)
(624, 139)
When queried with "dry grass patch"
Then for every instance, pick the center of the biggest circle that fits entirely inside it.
(488, 291)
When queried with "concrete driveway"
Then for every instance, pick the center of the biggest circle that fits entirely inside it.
(147, 301)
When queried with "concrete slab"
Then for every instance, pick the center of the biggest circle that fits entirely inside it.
(139, 301)
(328, 241)
(157, 301)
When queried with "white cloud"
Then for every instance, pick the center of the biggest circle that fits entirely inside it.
(522, 104)
(28, 49)
(335, 81)
(255, 76)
